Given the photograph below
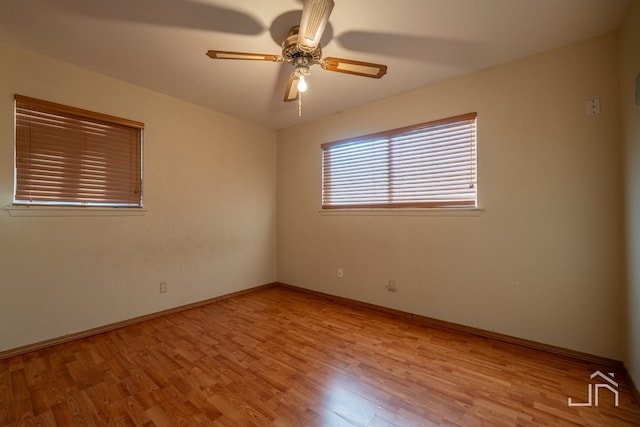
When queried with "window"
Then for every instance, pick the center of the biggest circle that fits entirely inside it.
(66, 156)
(424, 166)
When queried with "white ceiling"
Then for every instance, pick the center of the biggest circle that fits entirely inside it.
(161, 44)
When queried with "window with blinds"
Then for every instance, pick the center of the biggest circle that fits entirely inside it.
(430, 165)
(66, 156)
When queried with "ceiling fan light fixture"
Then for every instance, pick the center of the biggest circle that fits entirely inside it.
(315, 16)
(301, 74)
(302, 84)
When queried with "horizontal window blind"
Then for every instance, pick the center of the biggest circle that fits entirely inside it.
(68, 156)
(427, 165)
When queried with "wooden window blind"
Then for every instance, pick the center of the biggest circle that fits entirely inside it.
(66, 156)
(424, 166)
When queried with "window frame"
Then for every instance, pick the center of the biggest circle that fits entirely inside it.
(387, 137)
(66, 126)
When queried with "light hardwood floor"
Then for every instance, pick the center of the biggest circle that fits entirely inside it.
(286, 358)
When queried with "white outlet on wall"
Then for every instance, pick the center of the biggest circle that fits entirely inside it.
(340, 273)
(593, 107)
(391, 285)
(163, 287)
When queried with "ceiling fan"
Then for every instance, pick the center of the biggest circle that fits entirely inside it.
(302, 50)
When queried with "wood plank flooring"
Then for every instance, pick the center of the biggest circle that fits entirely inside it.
(278, 357)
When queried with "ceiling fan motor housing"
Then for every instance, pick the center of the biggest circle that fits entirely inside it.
(296, 54)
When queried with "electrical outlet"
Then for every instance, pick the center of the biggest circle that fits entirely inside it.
(163, 287)
(340, 273)
(391, 285)
(593, 107)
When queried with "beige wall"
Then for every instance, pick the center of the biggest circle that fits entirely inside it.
(630, 68)
(543, 259)
(210, 191)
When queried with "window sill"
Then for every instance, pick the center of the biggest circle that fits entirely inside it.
(403, 212)
(31, 211)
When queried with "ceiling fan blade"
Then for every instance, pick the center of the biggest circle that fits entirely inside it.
(315, 16)
(221, 54)
(292, 93)
(358, 68)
